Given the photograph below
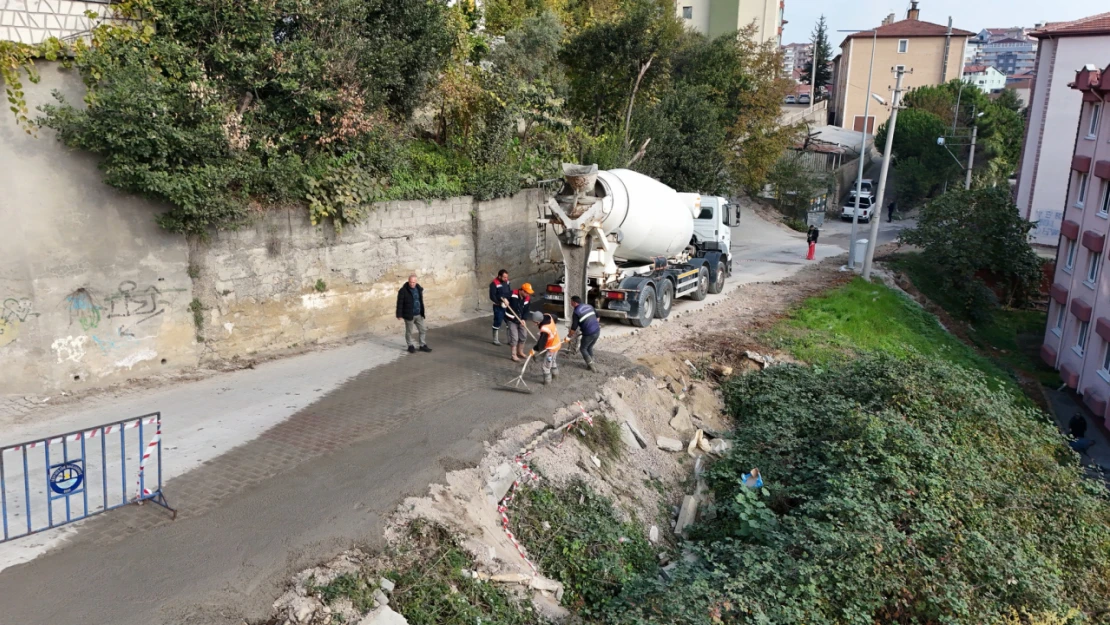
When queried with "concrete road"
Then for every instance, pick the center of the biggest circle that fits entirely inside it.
(277, 468)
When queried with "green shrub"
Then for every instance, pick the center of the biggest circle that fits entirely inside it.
(903, 490)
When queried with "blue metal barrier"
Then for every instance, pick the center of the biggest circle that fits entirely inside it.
(41, 479)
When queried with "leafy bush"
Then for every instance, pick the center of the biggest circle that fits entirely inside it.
(899, 491)
(977, 234)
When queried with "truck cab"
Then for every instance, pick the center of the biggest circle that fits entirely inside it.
(714, 222)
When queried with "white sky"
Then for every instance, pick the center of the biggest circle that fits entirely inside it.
(973, 15)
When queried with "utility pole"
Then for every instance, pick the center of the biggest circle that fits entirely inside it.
(862, 152)
(877, 217)
(971, 156)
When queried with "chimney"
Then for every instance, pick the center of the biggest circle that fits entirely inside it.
(914, 12)
(889, 19)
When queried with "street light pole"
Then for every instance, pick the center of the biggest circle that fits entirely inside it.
(862, 150)
(971, 157)
(877, 217)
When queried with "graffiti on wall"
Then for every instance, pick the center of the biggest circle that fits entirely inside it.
(83, 309)
(1047, 230)
(138, 305)
(14, 313)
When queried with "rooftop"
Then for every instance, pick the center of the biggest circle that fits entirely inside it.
(975, 69)
(1093, 25)
(909, 28)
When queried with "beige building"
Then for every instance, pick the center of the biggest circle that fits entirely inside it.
(931, 54)
(714, 18)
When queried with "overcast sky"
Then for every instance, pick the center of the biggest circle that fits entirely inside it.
(973, 15)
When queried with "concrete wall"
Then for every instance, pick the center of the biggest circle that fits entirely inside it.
(283, 283)
(93, 292)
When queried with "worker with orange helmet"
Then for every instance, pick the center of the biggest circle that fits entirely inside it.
(519, 303)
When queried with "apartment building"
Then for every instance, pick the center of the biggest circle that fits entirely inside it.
(1077, 336)
(1011, 56)
(986, 78)
(1052, 119)
(714, 18)
(934, 52)
(795, 56)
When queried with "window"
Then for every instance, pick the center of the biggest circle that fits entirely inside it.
(1104, 371)
(899, 68)
(1094, 261)
(687, 13)
(1104, 208)
(1081, 194)
(1061, 316)
(1081, 338)
(1096, 112)
(1069, 261)
(903, 46)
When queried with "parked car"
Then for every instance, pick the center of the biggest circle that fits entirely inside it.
(866, 207)
(790, 99)
(803, 99)
(867, 187)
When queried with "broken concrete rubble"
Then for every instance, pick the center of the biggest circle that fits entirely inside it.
(629, 438)
(668, 444)
(681, 421)
(694, 441)
(687, 514)
(383, 615)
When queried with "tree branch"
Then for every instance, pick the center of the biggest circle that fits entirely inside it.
(632, 100)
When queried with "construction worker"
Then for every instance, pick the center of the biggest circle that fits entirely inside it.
(584, 320)
(519, 303)
(548, 340)
(499, 292)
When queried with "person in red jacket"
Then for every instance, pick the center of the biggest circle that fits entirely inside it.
(499, 293)
(519, 303)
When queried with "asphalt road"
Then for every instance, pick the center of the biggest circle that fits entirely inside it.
(277, 468)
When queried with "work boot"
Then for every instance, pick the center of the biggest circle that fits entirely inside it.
(554, 373)
(495, 338)
(590, 366)
(547, 378)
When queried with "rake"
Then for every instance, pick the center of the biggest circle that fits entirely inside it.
(515, 383)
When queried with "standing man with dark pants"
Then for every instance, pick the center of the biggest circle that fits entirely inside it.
(499, 292)
(584, 320)
(411, 308)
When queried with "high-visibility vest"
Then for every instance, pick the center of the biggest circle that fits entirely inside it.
(552, 332)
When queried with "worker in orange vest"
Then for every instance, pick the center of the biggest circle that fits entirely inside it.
(549, 341)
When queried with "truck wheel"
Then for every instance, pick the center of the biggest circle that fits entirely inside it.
(718, 285)
(666, 299)
(703, 285)
(647, 308)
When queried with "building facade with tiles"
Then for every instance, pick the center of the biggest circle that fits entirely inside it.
(1077, 336)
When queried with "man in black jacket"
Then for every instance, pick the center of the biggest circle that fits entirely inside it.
(411, 308)
(500, 290)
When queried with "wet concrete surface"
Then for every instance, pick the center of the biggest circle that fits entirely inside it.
(327, 476)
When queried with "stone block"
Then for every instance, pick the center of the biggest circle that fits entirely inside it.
(629, 439)
(681, 421)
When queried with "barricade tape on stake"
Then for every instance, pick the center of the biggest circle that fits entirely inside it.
(90, 434)
(139, 490)
(530, 475)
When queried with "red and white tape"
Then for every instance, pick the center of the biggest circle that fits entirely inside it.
(90, 434)
(139, 490)
(529, 475)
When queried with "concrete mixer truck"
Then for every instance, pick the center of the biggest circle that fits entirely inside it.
(630, 244)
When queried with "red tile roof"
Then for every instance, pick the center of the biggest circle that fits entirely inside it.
(975, 69)
(910, 28)
(1093, 25)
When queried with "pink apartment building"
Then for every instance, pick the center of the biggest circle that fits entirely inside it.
(1077, 337)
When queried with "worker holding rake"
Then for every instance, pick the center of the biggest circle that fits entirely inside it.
(548, 344)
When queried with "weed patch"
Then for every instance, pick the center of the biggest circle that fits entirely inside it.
(575, 537)
(604, 438)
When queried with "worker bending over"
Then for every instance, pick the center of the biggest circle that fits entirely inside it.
(584, 320)
(549, 341)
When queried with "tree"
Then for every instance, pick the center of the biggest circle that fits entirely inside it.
(795, 186)
(822, 54)
(611, 62)
(976, 236)
(919, 163)
(1008, 99)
